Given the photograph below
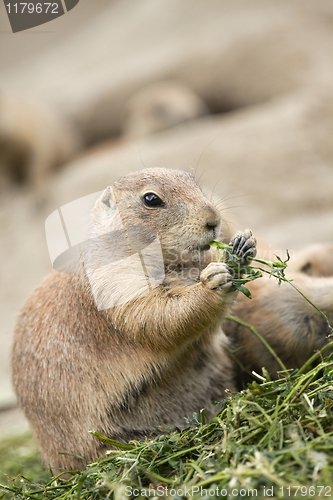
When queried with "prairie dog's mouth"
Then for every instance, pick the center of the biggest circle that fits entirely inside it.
(198, 248)
(204, 248)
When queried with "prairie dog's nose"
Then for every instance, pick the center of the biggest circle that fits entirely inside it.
(213, 218)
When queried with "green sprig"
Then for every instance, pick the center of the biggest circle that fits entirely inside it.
(243, 274)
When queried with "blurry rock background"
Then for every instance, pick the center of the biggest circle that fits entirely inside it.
(241, 93)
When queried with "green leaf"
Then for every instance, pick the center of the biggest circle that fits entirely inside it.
(244, 290)
(111, 442)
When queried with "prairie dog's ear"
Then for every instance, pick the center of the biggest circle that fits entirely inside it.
(106, 205)
(106, 215)
(108, 198)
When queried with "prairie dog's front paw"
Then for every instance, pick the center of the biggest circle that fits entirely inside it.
(244, 246)
(216, 276)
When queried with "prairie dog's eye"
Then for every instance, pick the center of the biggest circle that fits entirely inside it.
(152, 200)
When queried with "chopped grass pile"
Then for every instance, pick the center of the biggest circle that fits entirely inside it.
(274, 437)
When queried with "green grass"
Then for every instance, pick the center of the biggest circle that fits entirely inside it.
(270, 438)
(19, 457)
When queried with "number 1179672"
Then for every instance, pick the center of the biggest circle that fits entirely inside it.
(38, 8)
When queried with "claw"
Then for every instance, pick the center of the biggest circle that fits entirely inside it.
(244, 245)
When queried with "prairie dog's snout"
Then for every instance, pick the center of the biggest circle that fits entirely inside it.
(213, 218)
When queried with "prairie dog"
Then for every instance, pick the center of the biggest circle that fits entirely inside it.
(315, 260)
(34, 141)
(132, 368)
(159, 106)
(291, 326)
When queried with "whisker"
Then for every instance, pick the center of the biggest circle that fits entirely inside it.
(232, 207)
(219, 180)
(224, 201)
(201, 155)
(141, 156)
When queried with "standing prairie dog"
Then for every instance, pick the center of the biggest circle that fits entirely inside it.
(142, 364)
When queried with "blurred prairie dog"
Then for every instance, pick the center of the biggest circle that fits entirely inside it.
(128, 370)
(315, 260)
(33, 142)
(291, 326)
(159, 106)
